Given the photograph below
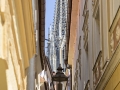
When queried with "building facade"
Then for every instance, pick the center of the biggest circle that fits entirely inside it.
(17, 43)
(94, 44)
(37, 63)
(22, 56)
(57, 35)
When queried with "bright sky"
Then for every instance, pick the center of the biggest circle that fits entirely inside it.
(50, 5)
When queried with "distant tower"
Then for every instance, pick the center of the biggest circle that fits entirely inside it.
(57, 35)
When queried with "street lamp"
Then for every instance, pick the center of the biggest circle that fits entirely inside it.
(59, 77)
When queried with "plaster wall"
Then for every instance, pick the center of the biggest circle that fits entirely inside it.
(14, 53)
(114, 78)
(105, 12)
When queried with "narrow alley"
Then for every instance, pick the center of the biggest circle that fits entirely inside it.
(60, 45)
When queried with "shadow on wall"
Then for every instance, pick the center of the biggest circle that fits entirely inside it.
(3, 80)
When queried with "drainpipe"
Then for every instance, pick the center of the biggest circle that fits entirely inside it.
(31, 74)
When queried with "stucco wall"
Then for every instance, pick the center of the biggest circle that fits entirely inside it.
(13, 77)
(113, 83)
(101, 18)
(13, 48)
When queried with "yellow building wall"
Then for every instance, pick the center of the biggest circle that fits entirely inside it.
(3, 81)
(14, 53)
(114, 81)
(118, 87)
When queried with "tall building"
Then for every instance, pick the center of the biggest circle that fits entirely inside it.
(57, 35)
(94, 48)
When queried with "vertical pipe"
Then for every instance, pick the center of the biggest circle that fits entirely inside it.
(31, 75)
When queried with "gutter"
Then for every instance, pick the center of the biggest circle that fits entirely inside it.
(41, 8)
(69, 10)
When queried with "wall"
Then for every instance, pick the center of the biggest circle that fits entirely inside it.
(15, 49)
(94, 45)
